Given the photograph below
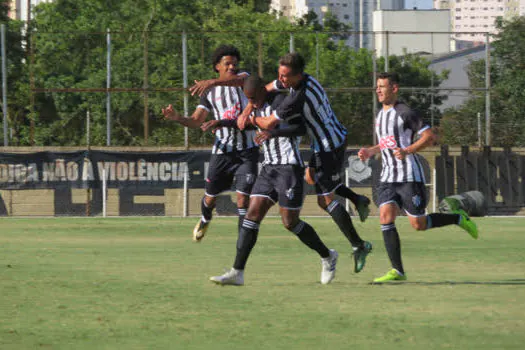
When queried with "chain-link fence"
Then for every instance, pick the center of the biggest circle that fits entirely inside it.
(111, 86)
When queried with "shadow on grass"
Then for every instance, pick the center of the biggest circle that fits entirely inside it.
(511, 282)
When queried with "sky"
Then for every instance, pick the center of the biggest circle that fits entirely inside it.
(420, 4)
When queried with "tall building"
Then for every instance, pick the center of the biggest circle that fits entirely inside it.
(397, 32)
(477, 17)
(358, 14)
(19, 8)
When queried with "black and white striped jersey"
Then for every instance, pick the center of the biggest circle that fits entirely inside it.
(280, 150)
(227, 102)
(397, 128)
(310, 100)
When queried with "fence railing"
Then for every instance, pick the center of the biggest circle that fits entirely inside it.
(123, 79)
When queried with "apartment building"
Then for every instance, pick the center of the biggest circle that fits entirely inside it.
(471, 19)
(356, 13)
(19, 8)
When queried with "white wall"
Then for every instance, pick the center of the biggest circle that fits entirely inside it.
(412, 21)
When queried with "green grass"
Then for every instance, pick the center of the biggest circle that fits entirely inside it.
(141, 283)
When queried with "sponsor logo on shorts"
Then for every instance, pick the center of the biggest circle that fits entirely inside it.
(289, 193)
(417, 200)
(335, 177)
(250, 178)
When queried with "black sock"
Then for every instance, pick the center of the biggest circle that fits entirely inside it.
(206, 211)
(309, 237)
(345, 192)
(393, 246)
(245, 242)
(242, 213)
(438, 220)
(343, 220)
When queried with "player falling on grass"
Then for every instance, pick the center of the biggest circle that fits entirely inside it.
(280, 181)
(329, 140)
(402, 182)
(234, 153)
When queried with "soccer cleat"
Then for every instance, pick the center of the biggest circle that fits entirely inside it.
(360, 256)
(390, 276)
(328, 271)
(467, 224)
(232, 277)
(362, 207)
(200, 230)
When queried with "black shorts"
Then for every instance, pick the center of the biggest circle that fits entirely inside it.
(224, 167)
(410, 196)
(328, 166)
(281, 183)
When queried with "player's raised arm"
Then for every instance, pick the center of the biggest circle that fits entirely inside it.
(201, 86)
(197, 118)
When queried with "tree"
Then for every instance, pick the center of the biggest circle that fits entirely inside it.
(146, 50)
(17, 77)
(507, 94)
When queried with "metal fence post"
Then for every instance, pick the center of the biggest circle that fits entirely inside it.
(108, 86)
(386, 51)
(4, 86)
(185, 84)
(145, 86)
(317, 55)
(374, 105)
(292, 48)
(488, 140)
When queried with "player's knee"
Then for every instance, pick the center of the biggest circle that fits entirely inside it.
(290, 222)
(419, 225)
(386, 218)
(323, 202)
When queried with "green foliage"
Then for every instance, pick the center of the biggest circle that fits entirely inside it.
(70, 49)
(17, 77)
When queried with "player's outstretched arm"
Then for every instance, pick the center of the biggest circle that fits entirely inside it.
(367, 152)
(200, 86)
(265, 123)
(197, 118)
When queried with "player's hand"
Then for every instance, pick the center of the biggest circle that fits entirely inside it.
(400, 153)
(309, 176)
(262, 136)
(210, 125)
(170, 114)
(243, 121)
(364, 154)
(200, 86)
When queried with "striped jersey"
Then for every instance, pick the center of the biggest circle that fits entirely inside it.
(310, 100)
(227, 102)
(397, 128)
(279, 150)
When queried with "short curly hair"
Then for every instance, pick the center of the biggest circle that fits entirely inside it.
(224, 50)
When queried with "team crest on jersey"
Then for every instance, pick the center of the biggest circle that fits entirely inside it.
(250, 178)
(417, 201)
(289, 193)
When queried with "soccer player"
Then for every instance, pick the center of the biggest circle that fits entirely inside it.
(402, 182)
(234, 153)
(280, 181)
(329, 140)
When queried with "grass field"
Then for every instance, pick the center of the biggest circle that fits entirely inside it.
(141, 283)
